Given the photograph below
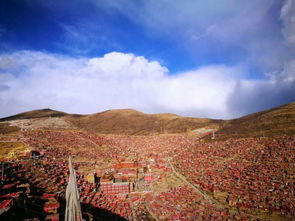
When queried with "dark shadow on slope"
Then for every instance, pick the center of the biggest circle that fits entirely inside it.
(31, 206)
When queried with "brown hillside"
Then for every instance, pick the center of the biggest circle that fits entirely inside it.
(35, 114)
(5, 128)
(275, 121)
(132, 122)
(120, 121)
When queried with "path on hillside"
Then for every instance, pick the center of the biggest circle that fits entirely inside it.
(199, 190)
(219, 204)
(150, 212)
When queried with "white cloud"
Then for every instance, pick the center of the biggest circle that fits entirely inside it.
(248, 29)
(288, 18)
(253, 96)
(244, 31)
(31, 80)
(112, 65)
(288, 73)
(232, 19)
(118, 80)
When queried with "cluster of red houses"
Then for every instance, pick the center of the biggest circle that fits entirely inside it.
(50, 172)
(254, 173)
(240, 173)
(183, 203)
(20, 199)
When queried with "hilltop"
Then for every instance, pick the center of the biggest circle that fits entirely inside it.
(118, 121)
(132, 122)
(42, 113)
(275, 121)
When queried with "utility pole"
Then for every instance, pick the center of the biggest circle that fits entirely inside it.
(73, 207)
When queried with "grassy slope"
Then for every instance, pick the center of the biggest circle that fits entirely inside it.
(275, 121)
(35, 114)
(5, 128)
(127, 121)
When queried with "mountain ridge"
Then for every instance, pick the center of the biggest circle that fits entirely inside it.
(275, 121)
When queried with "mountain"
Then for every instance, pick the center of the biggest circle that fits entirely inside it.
(120, 121)
(132, 122)
(275, 121)
(271, 122)
(35, 114)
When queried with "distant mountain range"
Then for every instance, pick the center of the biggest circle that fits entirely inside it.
(276, 121)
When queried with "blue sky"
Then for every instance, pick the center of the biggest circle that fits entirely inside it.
(93, 28)
(207, 58)
(81, 29)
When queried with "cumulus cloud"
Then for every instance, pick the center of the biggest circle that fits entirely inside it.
(118, 80)
(288, 18)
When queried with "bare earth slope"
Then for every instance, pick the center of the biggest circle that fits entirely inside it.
(121, 121)
(275, 121)
(35, 114)
(132, 122)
